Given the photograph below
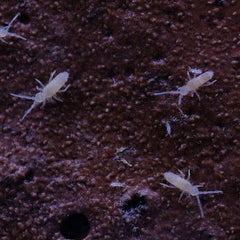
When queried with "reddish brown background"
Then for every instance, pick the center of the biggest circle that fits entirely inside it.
(62, 159)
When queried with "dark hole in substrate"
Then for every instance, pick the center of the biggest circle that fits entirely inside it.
(29, 175)
(108, 32)
(75, 226)
(219, 2)
(136, 202)
(129, 70)
(24, 18)
(111, 73)
(158, 57)
(190, 110)
(219, 123)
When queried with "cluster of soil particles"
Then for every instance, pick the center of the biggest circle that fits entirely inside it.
(92, 165)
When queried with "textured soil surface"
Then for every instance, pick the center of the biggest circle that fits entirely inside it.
(91, 167)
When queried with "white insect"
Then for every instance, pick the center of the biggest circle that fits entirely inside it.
(47, 92)
(4, 31)
(192, 85)
(186, 187)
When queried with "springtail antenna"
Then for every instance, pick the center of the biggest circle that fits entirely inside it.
(22, 96)
(168, 92)
(210, 192)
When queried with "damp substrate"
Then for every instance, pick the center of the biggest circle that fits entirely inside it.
(91, 167)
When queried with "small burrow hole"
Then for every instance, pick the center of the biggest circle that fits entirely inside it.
(75, 226)
(24, 18)
(219, 123)
(159, 56)
(136, 203)
(108, 32)
(111, 73)
(191, 110)
(219, 3)
(28, 176)
(129, 70)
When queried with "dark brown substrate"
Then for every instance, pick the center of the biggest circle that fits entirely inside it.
(59, 165)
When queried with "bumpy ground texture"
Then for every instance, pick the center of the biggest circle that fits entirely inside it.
(91, 166)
